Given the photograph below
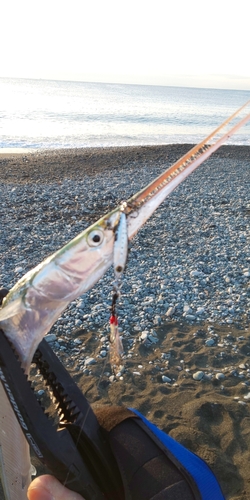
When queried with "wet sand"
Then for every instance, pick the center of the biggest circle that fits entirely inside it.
(55, 165)
(211, 417)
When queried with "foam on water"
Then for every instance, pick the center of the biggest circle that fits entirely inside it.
(56, 114)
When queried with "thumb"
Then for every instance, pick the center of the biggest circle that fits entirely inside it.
(48, 488)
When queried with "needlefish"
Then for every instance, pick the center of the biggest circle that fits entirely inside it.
(37, 300)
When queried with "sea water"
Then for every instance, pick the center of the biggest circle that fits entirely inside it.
(60, 114)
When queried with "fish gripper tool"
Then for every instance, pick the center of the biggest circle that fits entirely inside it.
(76, 450)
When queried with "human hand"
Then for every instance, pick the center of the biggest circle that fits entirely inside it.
(48, 488)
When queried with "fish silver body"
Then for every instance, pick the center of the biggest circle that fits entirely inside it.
(38, 299)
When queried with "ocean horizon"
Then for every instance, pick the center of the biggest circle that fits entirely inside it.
(50, 114)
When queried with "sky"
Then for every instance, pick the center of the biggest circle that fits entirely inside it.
(161, 42)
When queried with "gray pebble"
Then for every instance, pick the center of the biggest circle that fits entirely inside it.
(18, 269)
(198, 375)
(200, 310)
(90, 361)
(50, 337)
(195, 274)
(187, 309)
(170, 312)
(153, 339)
(209, 342)
(190, 317)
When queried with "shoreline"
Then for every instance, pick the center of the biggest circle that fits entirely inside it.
(46, 166)
(8, 152)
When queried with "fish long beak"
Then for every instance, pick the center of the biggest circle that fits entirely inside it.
(143, 204)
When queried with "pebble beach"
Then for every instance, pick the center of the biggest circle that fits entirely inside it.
(184, 311)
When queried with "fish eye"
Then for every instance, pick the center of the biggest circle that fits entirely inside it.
(95, 238)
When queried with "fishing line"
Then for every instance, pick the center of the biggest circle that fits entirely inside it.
(113, 305)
